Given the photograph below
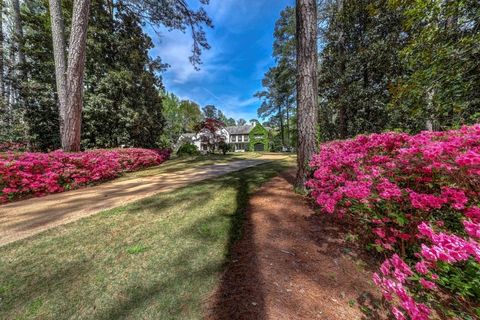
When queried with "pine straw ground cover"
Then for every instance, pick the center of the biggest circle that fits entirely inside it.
(158, 258)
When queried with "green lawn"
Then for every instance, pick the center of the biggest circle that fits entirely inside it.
(179, 163)
(158, 258)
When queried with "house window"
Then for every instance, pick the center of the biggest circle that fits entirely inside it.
(239, 138)
(257, 136)
(245, 138)
(233, 138)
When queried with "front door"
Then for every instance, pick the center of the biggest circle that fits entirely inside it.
(259, 147)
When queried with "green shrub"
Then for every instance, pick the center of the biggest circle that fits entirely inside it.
(224, 147)
(188, 149)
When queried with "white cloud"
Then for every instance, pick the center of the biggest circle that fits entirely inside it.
(218, 81)
(175, 48)
(234, 14)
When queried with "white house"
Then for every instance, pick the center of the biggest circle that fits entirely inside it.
(236, 136)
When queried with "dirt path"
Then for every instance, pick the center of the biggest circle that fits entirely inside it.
(22, 219)
(290, 265)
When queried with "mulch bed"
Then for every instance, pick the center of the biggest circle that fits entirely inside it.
(293, 264)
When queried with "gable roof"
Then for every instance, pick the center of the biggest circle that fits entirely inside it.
(239, 129)
(188, 135)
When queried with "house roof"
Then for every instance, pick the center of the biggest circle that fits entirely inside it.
(231, 130)
(188, 135)
(239, 129)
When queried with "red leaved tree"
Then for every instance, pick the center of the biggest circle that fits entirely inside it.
(211, 132)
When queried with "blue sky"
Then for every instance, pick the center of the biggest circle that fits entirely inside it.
(233, 68)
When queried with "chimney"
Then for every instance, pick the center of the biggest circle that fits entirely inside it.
(253, 123)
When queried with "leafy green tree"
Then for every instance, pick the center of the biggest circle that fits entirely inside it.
(122, 103)
(439, 88)
(231, 122)
(210, 111)
(359, 61)
(180, 117)
(70, 71)
(241, 122)
(278, 96)
(191, 115)
(221, 116)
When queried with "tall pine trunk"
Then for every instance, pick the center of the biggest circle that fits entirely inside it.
(307, 86)
(60, 57)
(287, 110)
(18, 35)
(341, 51)
(282, 129)
(2, 79)
(75, 74)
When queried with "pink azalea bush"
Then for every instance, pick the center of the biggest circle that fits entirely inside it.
(417, 200)
(6, 146)
(39, 174)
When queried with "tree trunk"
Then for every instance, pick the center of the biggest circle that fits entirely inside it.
(59, 54)
(18, 34)
(2, 81)
(341, 51)
(430, 112)
(75, 74)
(282, 129)
(307, 86)
(288, 124)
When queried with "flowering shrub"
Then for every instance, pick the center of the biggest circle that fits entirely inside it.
(417, 201)
(42, 173)
(12, 146)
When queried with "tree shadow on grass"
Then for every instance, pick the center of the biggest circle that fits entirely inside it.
(95, 277)
(239, 295)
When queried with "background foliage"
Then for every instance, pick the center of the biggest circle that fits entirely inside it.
(384, 65)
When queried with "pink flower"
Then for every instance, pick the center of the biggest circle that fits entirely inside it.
(421, 267)
(473, 213)
(428, 284)
(388, 190)
(426, 201)
(398, 314)
(473, 229)
(376, 180)
(456, 196)
(42, 173)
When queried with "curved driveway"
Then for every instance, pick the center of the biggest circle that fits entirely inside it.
(22, 219)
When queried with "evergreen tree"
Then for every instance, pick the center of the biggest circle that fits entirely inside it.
(122, 101)
(278, 96)
(439, 88)
(307, 86)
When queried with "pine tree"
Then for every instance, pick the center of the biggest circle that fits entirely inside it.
(307, 86)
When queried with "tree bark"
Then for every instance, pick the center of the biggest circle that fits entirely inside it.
(342, 112)
(60, 57)
(75, 74)
(282, 129)
(288, 124)
(307, 86)
(2, 81)
(18, 34)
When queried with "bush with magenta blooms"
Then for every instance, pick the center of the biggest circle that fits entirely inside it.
(38, 174)
(415, 199)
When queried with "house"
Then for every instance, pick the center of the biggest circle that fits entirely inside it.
(253, 137)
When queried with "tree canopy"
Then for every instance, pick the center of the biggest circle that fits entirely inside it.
(383, 65)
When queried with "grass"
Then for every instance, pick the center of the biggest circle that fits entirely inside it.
(180, 163)
(158, 258)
